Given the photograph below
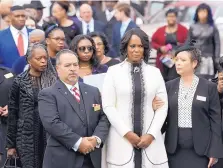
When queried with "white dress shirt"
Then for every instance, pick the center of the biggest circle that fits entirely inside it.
(109, 14)
(15, 34)
(85, 26)
(77, 144)
(124, 26)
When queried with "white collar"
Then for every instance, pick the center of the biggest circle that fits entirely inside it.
(108, 12)
(126, 22)
(90, 23)
(16, 31)
(70, 87)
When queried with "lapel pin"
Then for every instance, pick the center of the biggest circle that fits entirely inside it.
(85, 92)
(65, 93)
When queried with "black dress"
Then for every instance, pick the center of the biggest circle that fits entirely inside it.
(39, 132)
(112, 62)
(70, 32)
(170, 73)
(137, 110)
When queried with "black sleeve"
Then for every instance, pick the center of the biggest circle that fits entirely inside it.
(215, 121)
(13, 109)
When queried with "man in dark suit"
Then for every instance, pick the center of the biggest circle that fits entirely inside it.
(6, 79)
(14, 40)
(88, 24)
(125, 23)
(108, 18)
(71, 113)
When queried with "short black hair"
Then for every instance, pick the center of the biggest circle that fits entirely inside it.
(74, 47)
(64, 51)
(145, 42)
(104, 39)
(174, 11)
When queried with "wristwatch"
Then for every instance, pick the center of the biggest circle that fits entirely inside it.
(98, 142)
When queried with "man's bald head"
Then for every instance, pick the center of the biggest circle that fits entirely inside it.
(86, 12)
(36, 36)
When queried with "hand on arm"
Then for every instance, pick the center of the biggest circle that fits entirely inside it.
(157, 103)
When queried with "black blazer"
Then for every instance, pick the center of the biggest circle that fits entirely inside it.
(116, 37)
(109, 25)
(206, 119)
(64, 121)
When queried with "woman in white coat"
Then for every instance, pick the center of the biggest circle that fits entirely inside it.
(135, 139)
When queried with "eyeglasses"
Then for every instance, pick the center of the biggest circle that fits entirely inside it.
(58, 39)
(83, 48)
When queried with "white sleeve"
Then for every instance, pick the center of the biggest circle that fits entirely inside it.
(109, 94)
(161, 113)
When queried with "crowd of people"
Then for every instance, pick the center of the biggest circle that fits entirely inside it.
(168, 116)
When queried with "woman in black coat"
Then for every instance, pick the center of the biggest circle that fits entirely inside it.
(25, 135)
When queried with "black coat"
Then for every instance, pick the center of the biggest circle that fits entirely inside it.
(6, 79)
(23, 107)
(206, 119)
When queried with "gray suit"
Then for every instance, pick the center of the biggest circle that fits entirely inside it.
(66, 121)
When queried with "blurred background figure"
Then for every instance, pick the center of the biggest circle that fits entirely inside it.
(55, 40)
(60, 12)
(107, 17)
(36, 36)
(88, 23)
(6, 79)
(205, 32)
(166, 40)
(30, 11)
(14, 40)
(102, 48)
(84, 47)
(7, 20)
(39, 7)
(5, 6)
(122, 14)
(31, 23)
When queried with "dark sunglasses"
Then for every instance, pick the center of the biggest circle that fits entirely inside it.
(83, 48)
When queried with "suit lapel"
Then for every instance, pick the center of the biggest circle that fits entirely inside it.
(12, 41)
(199, 90)
(130, 26)
(66, 93)
(174, 99)
(119, 33)
(86, 99)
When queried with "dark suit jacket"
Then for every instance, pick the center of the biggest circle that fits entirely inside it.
(116, 37)
(62, 119)
(109, 25)
(98, 26)
(5, 86)
(206, 119)
(8, 49)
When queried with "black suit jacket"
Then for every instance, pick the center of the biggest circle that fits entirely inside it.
(116, 37)
(98, 26)
(206, 119)
(62, 119)
(109, 25)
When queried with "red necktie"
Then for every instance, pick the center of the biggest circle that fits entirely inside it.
(20, 45)
(77, 94)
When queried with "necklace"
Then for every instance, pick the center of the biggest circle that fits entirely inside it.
(102, 60)
(85, 67)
